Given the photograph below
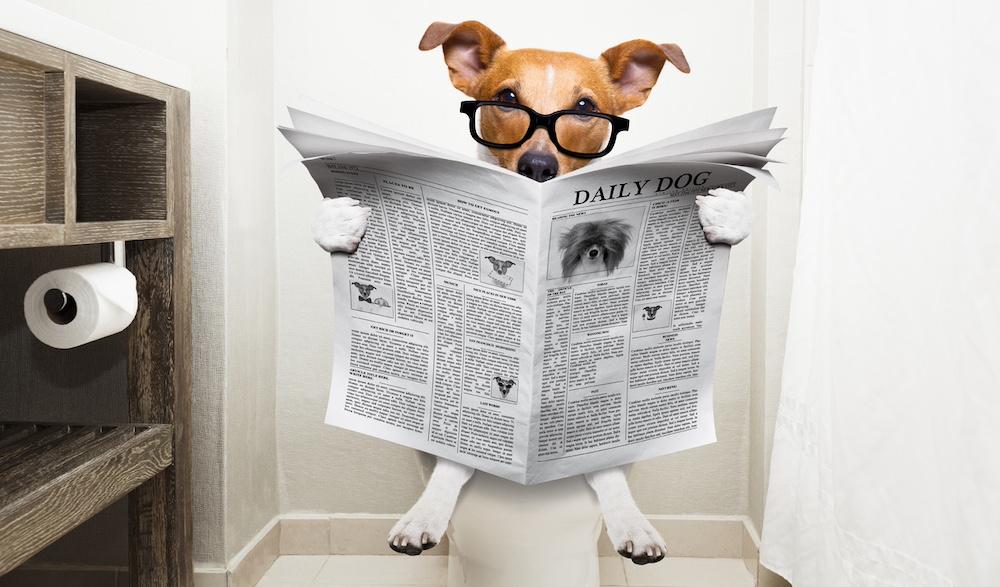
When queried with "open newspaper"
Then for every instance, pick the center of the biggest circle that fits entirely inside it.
(475, 323)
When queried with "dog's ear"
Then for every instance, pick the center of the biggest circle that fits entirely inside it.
(468, 47)
(635, 65)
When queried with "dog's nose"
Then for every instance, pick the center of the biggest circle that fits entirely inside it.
(592, 253)
(538, 166)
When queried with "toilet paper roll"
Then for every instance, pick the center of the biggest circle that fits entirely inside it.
(70, 307)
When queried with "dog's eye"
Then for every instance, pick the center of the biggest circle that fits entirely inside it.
(507, 95)
(585, 105)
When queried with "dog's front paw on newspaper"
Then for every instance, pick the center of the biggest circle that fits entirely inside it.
(339, 224)
(633, 536)
(725, 216)
(420, 529)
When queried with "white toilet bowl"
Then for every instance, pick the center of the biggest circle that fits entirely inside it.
(504, 534)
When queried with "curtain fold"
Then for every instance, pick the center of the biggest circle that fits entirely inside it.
(885, 468)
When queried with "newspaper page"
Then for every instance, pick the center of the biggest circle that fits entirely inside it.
(627, 348)
(464, 327)
(425, 323)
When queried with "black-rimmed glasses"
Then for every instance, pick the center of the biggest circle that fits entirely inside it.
(505, 125)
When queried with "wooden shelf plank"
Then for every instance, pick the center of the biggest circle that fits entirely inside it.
(123, 230)
(55, 476)
(22, 236)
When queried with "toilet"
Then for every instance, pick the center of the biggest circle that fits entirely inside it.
(504, 534)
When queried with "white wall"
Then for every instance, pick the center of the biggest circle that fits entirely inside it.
(233, 244)
(784, 33)
(363, 58)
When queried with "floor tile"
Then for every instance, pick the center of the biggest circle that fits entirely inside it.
(612, 571)
(384, 570)
(690, 572)
(293, 570)
(431, 571)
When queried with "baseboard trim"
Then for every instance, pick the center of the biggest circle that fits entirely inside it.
(365, 534)
(763, 577)
(249, 565)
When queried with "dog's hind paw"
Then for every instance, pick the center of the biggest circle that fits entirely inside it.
(725, 216)
(417, 531)
(635, 538)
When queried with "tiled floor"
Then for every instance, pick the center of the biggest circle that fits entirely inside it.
(400, 571)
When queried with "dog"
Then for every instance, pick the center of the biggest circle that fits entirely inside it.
(500, 266)
(649, 312)
(504, 385)
(364, 291)
(481, 66)
(595, 247)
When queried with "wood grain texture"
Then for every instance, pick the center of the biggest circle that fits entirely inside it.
(82, 472)
(22, 143)
(123, 230)
(180, 213)
(55, 146)
(121, 143)
(30, 52)
(111, 76)
(14, 236)
(152, 524)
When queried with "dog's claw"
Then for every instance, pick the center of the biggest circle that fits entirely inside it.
(401, 545)
(640, 542)
(652, 554)
(426, 542)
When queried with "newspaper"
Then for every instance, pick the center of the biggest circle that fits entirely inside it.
(470, 325)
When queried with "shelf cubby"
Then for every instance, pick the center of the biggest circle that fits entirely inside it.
(32, 147)
(121, 154)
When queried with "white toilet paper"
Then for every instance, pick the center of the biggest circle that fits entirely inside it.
(70, 307)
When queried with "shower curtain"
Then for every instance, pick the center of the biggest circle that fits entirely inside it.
(886, 461)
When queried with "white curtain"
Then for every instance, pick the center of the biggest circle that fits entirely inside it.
(886, 461)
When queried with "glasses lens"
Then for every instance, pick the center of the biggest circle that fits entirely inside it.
(582, 133)
(501, 125)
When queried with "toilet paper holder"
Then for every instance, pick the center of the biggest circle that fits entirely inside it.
(113, 252)
(61, 306)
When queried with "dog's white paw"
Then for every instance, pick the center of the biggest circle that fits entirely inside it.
(339, 224)
(725, 216)
(634, 537)
(421, 528)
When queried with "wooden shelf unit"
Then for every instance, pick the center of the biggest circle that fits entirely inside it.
(91, 154)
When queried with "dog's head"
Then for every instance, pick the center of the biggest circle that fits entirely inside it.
(650, 312)
(481, 66)
(499, 265)
(504, 385)
(364, 289)
(602, 241)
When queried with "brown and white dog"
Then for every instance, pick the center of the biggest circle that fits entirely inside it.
(481, 66)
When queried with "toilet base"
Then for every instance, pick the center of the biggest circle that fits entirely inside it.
(504, 534)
